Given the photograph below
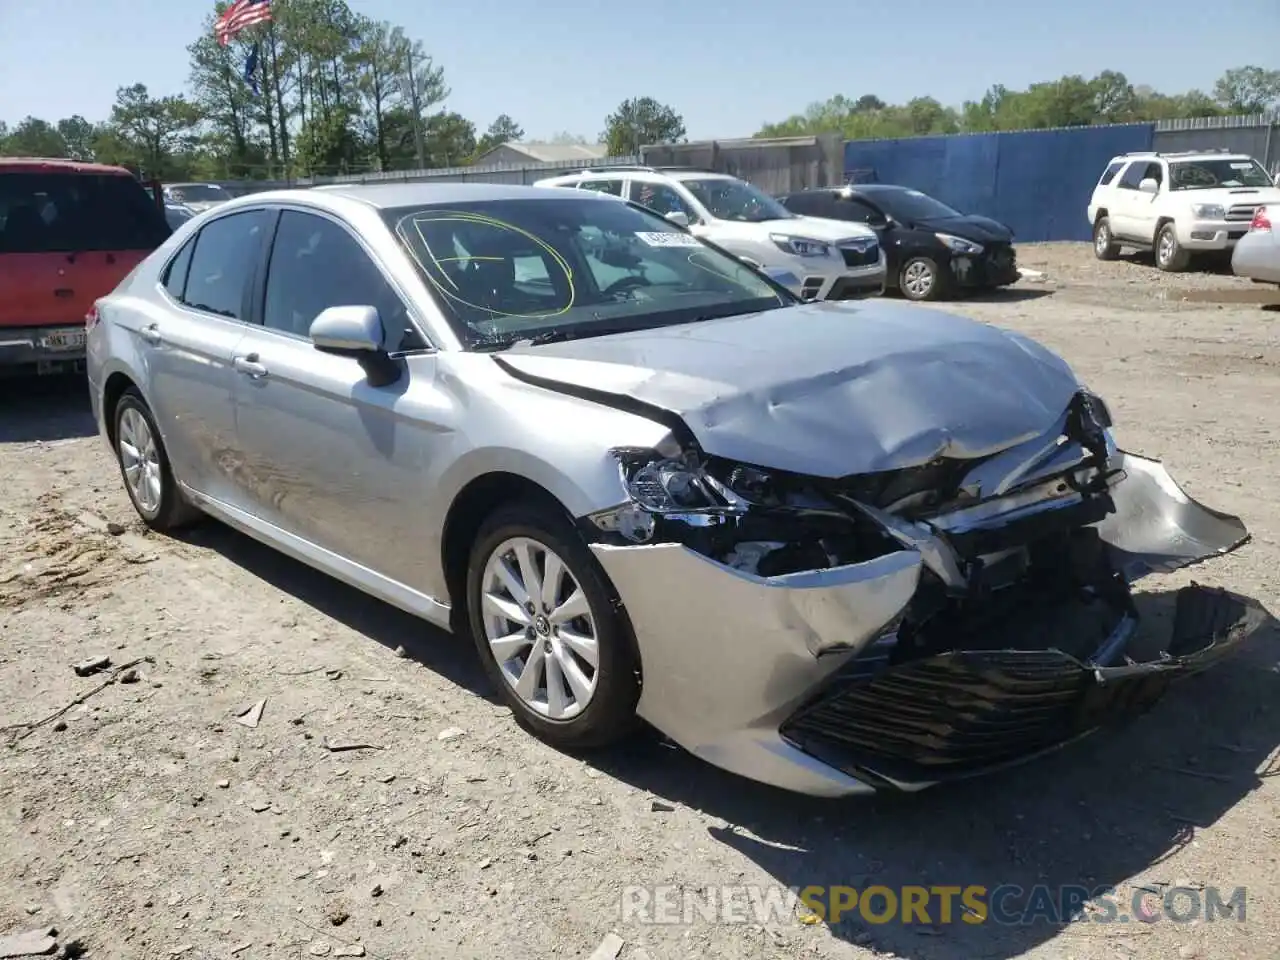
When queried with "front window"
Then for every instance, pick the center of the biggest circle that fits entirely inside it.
(198, 193)
(727, 198)
(912, 206)
(572, 266)
(1224, 172)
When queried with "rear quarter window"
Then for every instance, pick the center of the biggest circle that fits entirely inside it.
(72, 212)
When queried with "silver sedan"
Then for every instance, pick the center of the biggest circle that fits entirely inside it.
(1257, 253)
(832, 547)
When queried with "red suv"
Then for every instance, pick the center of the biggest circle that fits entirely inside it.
(69, 233)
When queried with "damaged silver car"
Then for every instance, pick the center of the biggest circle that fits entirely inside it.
(832, 547)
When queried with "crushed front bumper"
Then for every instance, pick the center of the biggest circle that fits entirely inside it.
(789, 680)
(969, 712)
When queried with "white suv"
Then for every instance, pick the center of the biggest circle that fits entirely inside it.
(1177, 204)
(827, 259)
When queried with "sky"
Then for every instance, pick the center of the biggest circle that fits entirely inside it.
(727, 68)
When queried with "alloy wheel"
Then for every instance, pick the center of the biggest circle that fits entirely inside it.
(140, 458)
(540, 628)
(1103, 239)
(918, 279)
(1165, 248)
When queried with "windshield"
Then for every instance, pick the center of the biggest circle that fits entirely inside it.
(198, 193)
(908, 206)
(1225, 172)
(77, 213)
(727, 198)
(571, 266)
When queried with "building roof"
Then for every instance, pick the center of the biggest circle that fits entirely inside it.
(552, 152)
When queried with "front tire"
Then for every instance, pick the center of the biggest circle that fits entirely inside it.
(549, 629)
(1104, 242)
(144, 467)
(1170, 257)
(920, 279)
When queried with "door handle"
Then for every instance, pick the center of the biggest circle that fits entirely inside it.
(250, 367)
(151, 333)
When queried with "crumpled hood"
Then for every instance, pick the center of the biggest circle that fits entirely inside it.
(824, 389)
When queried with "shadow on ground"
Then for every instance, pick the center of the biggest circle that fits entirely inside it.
(45, 409)
(451, 656)
(1091, 816)
(1213, 263)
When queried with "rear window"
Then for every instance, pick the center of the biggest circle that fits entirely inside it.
(77, 213)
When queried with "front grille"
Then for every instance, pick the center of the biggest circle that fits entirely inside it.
(955, 714)
(867, 256)
(961, 713)
(849, 288)
(1001, 257)
(1242, 212)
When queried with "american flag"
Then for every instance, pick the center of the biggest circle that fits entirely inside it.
(241, 14)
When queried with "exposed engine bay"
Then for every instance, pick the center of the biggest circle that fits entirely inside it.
(998, 534)
(1022, 633)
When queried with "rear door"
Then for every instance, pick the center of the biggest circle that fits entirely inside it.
(68, 237)
(188, 349)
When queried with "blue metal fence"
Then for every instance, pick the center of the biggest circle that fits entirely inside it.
(1036, 181)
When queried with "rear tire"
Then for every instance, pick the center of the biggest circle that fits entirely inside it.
(538, 653)
(1104, 243)
(144, 467)
(1170, 257)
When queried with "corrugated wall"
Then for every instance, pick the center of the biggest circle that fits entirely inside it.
(1036, 181)
(1257, 136)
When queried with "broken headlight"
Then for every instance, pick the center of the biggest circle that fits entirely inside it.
(661, 486)
(667, 485)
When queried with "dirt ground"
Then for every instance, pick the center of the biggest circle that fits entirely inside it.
(147, 821)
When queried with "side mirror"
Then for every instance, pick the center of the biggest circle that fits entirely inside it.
(356, 332)
(1149, 185)
(678, 217)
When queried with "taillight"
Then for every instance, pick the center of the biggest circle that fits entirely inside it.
(1261, 222)
(91, 318)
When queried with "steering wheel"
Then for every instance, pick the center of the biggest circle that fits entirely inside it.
(625, 283)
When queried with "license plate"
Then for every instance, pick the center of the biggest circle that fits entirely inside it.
(62, 340)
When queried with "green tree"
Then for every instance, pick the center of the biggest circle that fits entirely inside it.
(1248, 90)
(158, 131)
(449, 139)
(502, 130)
(34, 137)
(638, 122)
(77, 134)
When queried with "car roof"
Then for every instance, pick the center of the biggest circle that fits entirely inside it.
(389, 196)
(1191, 155)
(59, 165)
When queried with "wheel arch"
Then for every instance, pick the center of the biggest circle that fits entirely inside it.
(468, 511)
(115, 387)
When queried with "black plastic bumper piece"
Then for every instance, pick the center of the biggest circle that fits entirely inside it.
(964, 713)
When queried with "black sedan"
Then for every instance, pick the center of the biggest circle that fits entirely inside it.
(932, 250)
